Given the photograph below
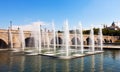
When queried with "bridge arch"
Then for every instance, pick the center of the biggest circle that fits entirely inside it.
(4, 40)
(29, 42)
(73, 40)
(4, 37)
(57, 39)
(3, 44)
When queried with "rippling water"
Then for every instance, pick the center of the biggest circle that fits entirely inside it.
(109, 61)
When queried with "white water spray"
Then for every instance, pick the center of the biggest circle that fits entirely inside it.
(48, 42)
(54, 40)
(39, 39)
(100, 38)
(11, 39)
(22, 39)
(92, 39)
(81, 38)
(75, 39)
(66, 37)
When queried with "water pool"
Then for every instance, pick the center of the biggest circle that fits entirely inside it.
(109, 61)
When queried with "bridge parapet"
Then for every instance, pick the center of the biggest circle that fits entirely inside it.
(4, 36)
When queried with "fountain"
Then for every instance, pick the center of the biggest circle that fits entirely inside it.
(66, 45)
(36, 35)
(34, 38)
(66, 38)
(43, 36)
(81, 38)
(58, 49)
(48, 42)
(39, 39)
(22, 38)
(101, 36)
(54, 40)
(66, 52)
(75, 39)
(50, 51)
(92, 44)
(11, 39)
(57, 40)
(81, 42)
(100, 42)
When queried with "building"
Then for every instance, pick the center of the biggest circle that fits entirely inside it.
(113, 26)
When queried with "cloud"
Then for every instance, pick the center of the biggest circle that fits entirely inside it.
(38, 23)
(29, 27)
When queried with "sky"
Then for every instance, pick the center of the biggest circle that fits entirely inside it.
(88, 12)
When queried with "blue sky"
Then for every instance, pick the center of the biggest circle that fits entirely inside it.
(95, 12)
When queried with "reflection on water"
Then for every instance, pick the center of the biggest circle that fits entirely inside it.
(16, 62)
(114, 54)
(92, 63)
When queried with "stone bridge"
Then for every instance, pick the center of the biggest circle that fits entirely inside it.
(5, 38)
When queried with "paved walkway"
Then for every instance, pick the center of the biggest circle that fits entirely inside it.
(106, 46)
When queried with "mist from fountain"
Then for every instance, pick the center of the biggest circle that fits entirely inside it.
(39, 39)
(76, 44)
(42, 41)
(48, 41)
(11, 39)
(44, 38)
(100, 38)
(81, 38)
(63, 41)
(57, 40)
(66, 37)
(35, 36)
(92, 44)
(54, 40)
(22, 39)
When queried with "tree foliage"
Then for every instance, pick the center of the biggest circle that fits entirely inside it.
(105, 32)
